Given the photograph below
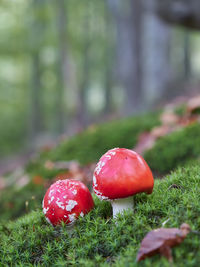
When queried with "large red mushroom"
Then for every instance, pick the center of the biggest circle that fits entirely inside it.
(119, 175)
(65, 201)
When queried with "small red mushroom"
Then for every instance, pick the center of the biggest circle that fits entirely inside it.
(65, 201)
(119, 175)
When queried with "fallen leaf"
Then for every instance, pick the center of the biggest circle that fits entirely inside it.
(145, 141)
(10, 205)
(193, 104)
(38, 180)
(168, 117)
(188, 120)
(49, 165)
(61, 165)
(47, 148)
(161, 241)
(160, 131)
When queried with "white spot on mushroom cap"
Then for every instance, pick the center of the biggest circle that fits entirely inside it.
(112, 153)
(60, 204)
(72, 217)
(108, 156)
(94, 180)
(97, 192)
(100, 195)
(52, 198)
(51, 191)
(45, 210)
(101, 163)
(74, 192)
(98, 169)
(82, 214)
(99, 166)
(71, 204)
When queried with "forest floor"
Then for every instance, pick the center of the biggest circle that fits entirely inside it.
(169, 140)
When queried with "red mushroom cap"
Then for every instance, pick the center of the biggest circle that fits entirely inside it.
(121, 173)
(65, 200)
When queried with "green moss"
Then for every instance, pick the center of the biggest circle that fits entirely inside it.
(97, 240)
(89, 145)
(181, 110)
(175, 149)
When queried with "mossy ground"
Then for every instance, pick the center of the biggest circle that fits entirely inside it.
(89, 145)
(86, 147)
(175, 149)
(97, 240)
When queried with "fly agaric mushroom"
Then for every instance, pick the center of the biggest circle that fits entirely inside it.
(65, 201)
(120, 174)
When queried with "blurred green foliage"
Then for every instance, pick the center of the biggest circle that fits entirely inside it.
(29, 31)
(97, 240)
(12, 135)
(91, 144)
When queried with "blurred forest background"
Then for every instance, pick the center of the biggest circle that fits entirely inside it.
(69, 63)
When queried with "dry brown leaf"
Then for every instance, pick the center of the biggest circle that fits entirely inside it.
(193, 104)
(47, 147)
(161, 241)
(10, 205)
(49, 165)
(188, 120)
(38, 180)
(168, 117)
(61, 165)
(160, 131)
(145, 141)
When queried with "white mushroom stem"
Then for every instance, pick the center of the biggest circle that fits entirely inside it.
(121, 204)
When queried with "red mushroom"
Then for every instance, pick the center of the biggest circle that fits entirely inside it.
(120, 174)
(65, 201)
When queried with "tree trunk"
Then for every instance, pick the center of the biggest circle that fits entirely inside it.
(156, 43)
(128, 19)
(62, 66)
(36, 110)
(109, 55)
(82, 114)
(187, 56)
(35, 105)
